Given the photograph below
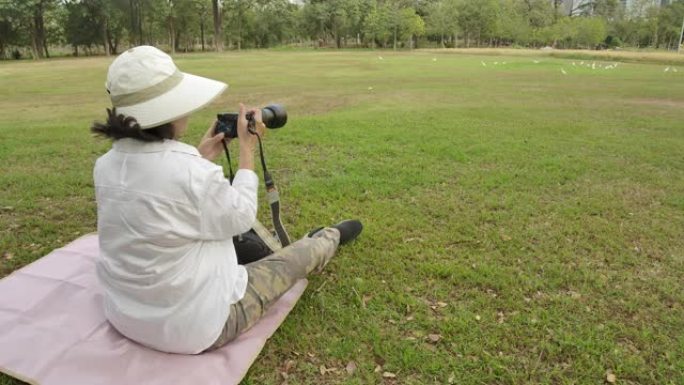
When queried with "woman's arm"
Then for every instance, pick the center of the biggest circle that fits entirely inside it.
(210, 146)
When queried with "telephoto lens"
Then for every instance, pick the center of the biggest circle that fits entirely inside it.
(273, 116)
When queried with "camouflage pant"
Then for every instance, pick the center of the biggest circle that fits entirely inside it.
(271, 277)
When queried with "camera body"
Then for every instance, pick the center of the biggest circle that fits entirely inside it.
(273, 116)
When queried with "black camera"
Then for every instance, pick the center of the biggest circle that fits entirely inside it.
(273, 116)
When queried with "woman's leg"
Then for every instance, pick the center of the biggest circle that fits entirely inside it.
(271, 277)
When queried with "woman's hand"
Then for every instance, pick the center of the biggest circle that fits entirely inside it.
(210, 146)
(246, 139)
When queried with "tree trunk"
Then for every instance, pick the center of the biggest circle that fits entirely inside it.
(239, 40)
(38, 32)
(172, 35)
(140, 23)
(105, 39)
(218, 32)
(202, 33)
(394, 44)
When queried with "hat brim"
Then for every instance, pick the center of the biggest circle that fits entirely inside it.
(191, 94)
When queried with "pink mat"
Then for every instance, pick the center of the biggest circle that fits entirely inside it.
(53, 331)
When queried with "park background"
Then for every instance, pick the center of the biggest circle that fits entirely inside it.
(523, 198)
(40, 28)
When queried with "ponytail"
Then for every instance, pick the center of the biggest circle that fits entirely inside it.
(119, 126)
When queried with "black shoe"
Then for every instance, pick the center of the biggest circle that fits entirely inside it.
(349, 230)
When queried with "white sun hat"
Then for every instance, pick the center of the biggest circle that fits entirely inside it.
(144, 83)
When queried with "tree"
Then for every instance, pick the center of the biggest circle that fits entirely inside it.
(27, 19)
(217, 12)
(441, 20)
(202, 11)
(669, 25)
(376, 27)
(80, 28)
(411, 25)
(11, 33)
(477, 19)
(591, 31)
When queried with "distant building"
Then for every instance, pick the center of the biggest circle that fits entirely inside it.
(576, 7)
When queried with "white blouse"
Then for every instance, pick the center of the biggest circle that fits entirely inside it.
(166, 218)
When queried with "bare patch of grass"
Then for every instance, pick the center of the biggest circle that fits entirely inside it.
(608, 55)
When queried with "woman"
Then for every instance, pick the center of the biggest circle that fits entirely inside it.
(166, 216)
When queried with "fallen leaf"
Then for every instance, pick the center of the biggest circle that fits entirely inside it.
(500, 317)
(407, 240)
(393, 322)
(477, 317)
(506, 237)
(409, 318)
(434, 338)
(452, 378)
(389, 375)
(284, 375)
(610, 377)
(378, 369)
(365, 300)
(351, 367)
(288, 365)
(442, 304)
(311, 355)
(7, 255)
(323, 370)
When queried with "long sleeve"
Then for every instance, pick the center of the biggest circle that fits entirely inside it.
(228, 210)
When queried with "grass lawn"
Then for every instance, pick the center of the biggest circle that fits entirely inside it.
(522, 225)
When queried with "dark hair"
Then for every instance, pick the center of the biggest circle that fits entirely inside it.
(120, 126)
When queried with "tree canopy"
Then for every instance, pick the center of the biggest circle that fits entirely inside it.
(31, 27)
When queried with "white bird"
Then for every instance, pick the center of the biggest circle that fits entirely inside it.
(667, 69)
(483, 64)
(503, 63)
(496, 63)
(582, 63)
(563, 71)
(593, 66)
(434, 59)
(381, 58)
(535, 61)
(674, 69)
(573, 64)
(370, 88)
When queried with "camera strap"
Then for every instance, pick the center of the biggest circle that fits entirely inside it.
(271, 194)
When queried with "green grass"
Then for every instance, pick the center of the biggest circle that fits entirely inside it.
(533, 220)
